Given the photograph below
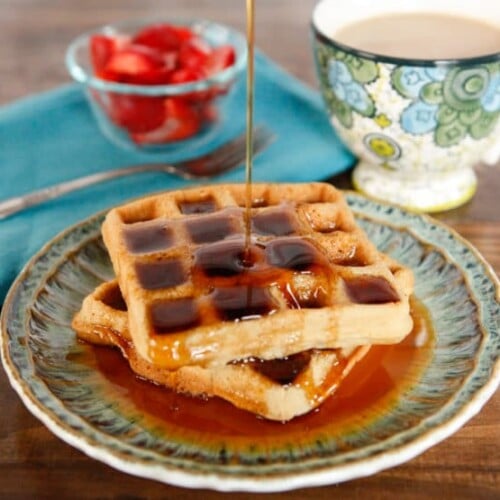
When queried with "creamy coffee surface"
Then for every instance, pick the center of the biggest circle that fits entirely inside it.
(421, 36)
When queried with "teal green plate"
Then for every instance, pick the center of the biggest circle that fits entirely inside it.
(88, 410)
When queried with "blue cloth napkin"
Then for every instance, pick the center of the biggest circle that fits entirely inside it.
(53, 137)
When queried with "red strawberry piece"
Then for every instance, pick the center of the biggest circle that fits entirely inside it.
(137, 114)
(182, 121)
(136, 64)
(221, 58)
(194, 54)
(163, 37)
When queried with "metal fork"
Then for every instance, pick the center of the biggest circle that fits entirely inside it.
(226, 157)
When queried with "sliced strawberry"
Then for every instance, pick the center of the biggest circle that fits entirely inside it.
(101, 49)
(163, 37)
(221, 58)
(194, 53)
(137, 114)
(138, 65)
(185, 116)
(186, 75)
(182, 121)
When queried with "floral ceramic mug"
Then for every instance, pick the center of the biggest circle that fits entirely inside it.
(417, 125)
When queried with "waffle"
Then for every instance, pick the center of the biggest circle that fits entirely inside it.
(315, 280)
(276, 389)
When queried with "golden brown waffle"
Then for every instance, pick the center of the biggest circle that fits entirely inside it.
(315, 280)
(276, 389)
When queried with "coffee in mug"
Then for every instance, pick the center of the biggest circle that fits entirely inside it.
(421, 36)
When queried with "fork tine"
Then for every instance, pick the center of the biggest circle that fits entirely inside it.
(238, 156)
(200, 167)
(261, 141)
(238, 150)
(229, 158)
(238, 143)
(226, 156)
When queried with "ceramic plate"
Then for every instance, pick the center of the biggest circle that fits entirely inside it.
(88, 397)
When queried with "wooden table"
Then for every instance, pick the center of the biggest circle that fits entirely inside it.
(36, 464)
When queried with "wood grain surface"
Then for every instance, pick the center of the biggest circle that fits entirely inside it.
(36, 464)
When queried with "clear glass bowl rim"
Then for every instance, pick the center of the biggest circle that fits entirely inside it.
(81, 75)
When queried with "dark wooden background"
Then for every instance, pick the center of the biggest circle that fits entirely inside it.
(34, 463)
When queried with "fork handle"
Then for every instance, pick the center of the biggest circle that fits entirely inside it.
(16, 204)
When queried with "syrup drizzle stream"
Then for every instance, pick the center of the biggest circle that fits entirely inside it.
(249, 126)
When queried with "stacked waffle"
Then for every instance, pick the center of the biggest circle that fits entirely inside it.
(272, 324)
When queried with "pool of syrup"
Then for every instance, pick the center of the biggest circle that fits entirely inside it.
(371, 388)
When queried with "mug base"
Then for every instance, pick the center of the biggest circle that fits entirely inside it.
(436, 192)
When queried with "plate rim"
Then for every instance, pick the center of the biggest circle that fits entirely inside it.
(327, 474)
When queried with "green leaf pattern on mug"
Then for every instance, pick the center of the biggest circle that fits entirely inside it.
(450, 103)
(432, 93)
(343, 77)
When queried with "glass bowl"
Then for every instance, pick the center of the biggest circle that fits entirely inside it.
(113, 103)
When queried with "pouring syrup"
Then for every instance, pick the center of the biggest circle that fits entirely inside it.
(249, 126)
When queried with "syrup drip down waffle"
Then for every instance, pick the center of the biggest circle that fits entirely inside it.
(315, 281)
(276, 389)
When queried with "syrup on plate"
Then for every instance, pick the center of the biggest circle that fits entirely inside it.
(370, 390)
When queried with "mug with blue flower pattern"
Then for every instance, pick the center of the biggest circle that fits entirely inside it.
(418, 126)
